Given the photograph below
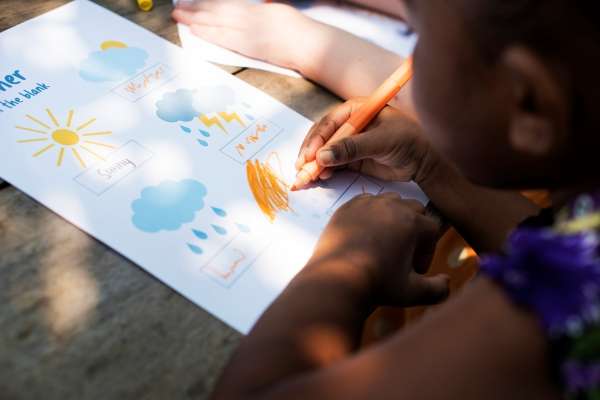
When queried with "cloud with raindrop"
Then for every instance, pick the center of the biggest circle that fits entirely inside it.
(210, 105)
(168, 206)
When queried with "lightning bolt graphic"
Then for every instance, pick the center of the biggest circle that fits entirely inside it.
(228, 117)
(208, 122)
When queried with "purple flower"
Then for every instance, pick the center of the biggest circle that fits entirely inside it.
(558, 276)
(580, 377)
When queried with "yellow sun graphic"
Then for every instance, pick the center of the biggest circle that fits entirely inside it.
(65, 138)
(109, 44)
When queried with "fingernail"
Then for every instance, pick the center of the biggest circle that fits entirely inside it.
(326, 157)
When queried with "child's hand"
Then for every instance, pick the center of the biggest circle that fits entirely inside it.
(270, 32)
(388, 243)
(391, 148)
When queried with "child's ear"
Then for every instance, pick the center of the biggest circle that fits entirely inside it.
(538, 119)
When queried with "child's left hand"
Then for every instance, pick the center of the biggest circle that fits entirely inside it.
(382, 244)
(271, 32)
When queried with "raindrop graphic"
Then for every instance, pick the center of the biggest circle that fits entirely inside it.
(219, 211)
(203, 142)
(195, 249)
(250, 117)
(243, 228)
(200, 234)
(204, 133)
(185, 129)
(219, 229)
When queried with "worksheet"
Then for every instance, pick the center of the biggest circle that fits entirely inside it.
(175, 164)
(380, 29)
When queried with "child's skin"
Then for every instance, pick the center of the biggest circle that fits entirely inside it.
(281, 35)
(352, 67)
(522, 132)
(395, 8)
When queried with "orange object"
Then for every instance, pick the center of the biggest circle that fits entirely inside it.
(268, 189)
(358, 121)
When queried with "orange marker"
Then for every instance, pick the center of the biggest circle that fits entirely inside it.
(358, 121)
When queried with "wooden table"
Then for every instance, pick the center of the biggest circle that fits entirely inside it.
(77, 320)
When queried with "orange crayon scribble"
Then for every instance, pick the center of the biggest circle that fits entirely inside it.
(240, 149)
(269, 190)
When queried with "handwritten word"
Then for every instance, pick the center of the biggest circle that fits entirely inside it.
(117, 167)
(251, 138)
(122, 162)
(145, 80)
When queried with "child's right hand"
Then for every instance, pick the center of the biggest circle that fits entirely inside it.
(385, 244)
(392, 147)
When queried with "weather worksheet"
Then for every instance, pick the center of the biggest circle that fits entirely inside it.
(175, 164)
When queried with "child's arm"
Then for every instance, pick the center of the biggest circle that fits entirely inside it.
(280, 34)
(393, 148)
(305, 346)
(394, 7)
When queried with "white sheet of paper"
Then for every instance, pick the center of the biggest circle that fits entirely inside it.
(385, 31)
(114, 129)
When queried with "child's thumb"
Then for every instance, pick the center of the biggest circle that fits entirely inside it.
(350, 149)
(426, 290)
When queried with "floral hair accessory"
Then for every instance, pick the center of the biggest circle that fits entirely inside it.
(555, 272)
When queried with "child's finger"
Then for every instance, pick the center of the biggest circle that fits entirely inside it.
(423, 290)
(326, 174)
(369, 144)
(185, 17)
(321, 131)
(209, 18)
(427, 239)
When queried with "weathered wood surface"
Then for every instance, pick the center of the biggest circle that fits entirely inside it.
(77, 320)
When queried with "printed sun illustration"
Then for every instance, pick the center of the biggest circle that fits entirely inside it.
(67, 138)
(110, 44)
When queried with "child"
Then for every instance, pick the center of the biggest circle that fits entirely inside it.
(350, 67)
(282, 35)
(526, 70)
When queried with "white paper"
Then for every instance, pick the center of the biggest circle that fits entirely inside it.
(114, 129)
(380, 29)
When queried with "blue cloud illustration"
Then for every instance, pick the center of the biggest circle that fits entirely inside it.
(185, 105)
(113, 64)
(177, 106)
(168, 206)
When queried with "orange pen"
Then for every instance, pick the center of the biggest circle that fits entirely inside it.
(359, 120)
